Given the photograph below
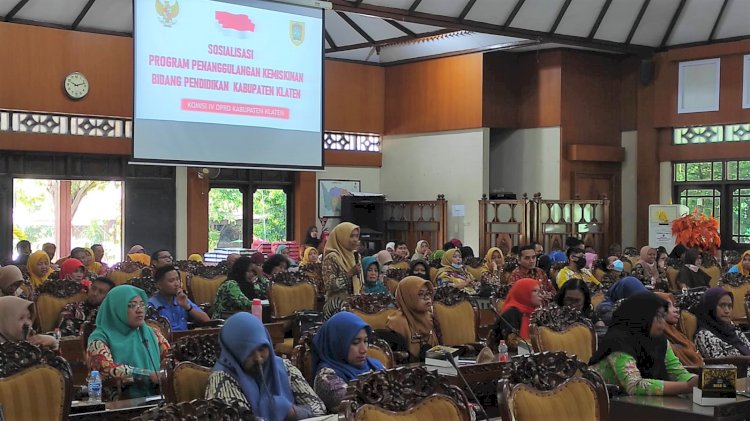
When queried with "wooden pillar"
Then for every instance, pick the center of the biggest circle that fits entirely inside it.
(197, 212)
(647, 183)
(305, 203)
(63, 222)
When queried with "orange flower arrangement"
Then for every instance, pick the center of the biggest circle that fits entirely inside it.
(697, 230)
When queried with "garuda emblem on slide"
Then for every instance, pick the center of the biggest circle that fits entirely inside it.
(297, 32)
(167, 12)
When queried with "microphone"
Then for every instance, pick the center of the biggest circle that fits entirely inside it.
(516, 332)
(153, 365)
(25, 332)
(461, 375)
(265, 386)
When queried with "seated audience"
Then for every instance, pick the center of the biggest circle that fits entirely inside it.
(527, 268)
(390, 247)
(575, 293)
(138, 254)
(11, 279)
(492, 267)
(248, 374)
(123, 346)
(420, 268)
(50, 249)
(339, 353)
(74, 270)
(161, 258)
(717, 335)
(277, 263)
(576, 268)
(231, 258)
(422, 251)
(453, 272)
(615, 249)
(74, 314)
(624, 288)
(309, 256)
(402, 250)
(342, 274)
(238, 291)
(634, 353)
(98, 251)
(647, 270)
(413, 322)
(523, 298)
(466, 252)
(23, 248)
(373, 278)
(283, 250)
(513, 252)
(196, 258)
(38, 266)
(683, 347)
(661, 259)
(385, 260)
(311, 238)
(613, 272)
(89, 262)
(743, 267)
(449, 245)
(16, 320)
(690, 274)
(172, 302)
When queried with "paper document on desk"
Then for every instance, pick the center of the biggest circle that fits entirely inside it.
(323, 418)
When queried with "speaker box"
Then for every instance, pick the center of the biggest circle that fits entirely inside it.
(647, 71)
(367, 212)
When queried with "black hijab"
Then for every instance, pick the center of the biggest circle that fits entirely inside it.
(705, 312)
(629, 333)
(422, 262)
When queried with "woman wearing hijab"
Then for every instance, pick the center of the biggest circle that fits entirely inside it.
(621, 289)
(422, 251)
(576, 293)
(92, 266)
(453, 272)
(16, 319)
(339, 356)
(743, 267)
(690, 274)
(385, 260)
(195, 257)
(248, 374)
(74, 270)
(283, 250)
(683, 347)
(373, 279)
(635, 354)
(492, 267)
(342, 273)
(413, 322)
(523, 298)
(39, 268)
(309, 257)
(11, 279)
(419, 268)
(647, 270)
(311, 237)
(122, 345)
(717, 335)
(237, 292)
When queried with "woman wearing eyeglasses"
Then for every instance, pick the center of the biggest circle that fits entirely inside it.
(123, 346)
(635, 354)
(413, 321)
(717, 336)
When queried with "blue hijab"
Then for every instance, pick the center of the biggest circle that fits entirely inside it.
(242, 334)
(331, 346)
(624, 288)
(376, 287)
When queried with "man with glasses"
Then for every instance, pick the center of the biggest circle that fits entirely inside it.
(576, 268)
(161, 258)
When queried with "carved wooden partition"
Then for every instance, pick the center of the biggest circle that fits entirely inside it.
(507, 223)
(417, 220)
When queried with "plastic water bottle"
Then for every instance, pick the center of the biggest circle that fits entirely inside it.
(257, 309)
(94, 382)
(502, 352)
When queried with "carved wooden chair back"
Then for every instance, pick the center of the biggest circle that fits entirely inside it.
(121, 272)
(374, 309)
(457, 313)
(52, 297)
(739, 286)
(198, 410)
(35, 383)
(565, 329)
(203, 284)
(542, 386)
(408, 393)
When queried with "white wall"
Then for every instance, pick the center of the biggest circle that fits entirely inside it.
(369, 181)
(526, 161)
(665, 183)
(629, 183)
(456, 164)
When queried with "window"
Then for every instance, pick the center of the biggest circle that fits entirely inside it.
(698, 84)
(711, 134)
(69, 213)
(269, 215)
(705, 201)
(741, 215)
(225, 218)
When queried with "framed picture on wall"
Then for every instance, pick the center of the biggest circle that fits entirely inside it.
(329, 195)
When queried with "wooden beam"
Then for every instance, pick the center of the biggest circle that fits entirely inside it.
(356, 27)
(598, 153)
(15, 10)
(560, 15)
(514, 12)
(467, 9)
(718, 20)
(672, 23)
(483, 27)
(413, 7)
(401, 28)
(599, 19)
(352, 159)
(82, 15)
(387, 41)
(637, 22)
(330, 40)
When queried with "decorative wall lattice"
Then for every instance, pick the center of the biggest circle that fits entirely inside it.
(351, 142)
(712, 134)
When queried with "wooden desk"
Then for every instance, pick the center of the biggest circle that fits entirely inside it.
(119, 410)
(678, 408)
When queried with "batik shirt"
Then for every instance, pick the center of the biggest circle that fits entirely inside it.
(73, 315)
